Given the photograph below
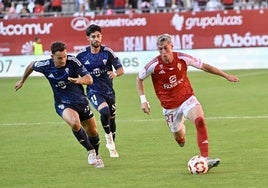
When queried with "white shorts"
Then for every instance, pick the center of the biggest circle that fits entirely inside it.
(176, 117)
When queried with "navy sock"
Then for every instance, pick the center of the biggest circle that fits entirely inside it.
(105, 121)
(95, 142)
(113, 127)
(82, 138)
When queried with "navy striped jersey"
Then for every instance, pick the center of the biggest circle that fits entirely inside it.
(98, 65)
(64, 91)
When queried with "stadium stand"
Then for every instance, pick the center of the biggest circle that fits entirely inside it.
(10, 9)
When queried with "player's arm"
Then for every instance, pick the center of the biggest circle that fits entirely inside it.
(213, 70)
(141, 91)
(26, 74)
(83, 80)
(118, 72)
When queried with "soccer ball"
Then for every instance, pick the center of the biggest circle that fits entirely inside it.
(197, 165)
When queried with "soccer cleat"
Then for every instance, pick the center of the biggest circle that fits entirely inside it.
(213, 162)
(92, 159)
(113, 153)
(99, 162)
(110, 145)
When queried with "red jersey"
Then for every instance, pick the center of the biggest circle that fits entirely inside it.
(170, 81)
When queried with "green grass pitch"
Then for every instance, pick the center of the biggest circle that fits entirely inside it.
(37, 149)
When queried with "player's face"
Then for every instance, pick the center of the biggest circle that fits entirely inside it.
(165, 49)
(95, 39)
(59, 58)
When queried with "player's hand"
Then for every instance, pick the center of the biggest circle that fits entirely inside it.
(73, 80)
(111, 74)
(18, 85)
(146, 107)
(232, 78)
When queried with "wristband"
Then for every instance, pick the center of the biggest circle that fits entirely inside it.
(143, 98)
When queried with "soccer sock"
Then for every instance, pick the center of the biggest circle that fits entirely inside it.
(113, 127)
(105, 121)
(202, 136)
(82, 138)
(95, 142)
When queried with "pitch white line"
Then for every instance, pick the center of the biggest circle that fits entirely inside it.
(140, 120)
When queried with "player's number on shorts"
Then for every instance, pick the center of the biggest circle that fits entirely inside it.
(169, 118)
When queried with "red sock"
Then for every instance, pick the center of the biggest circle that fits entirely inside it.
(202, 136)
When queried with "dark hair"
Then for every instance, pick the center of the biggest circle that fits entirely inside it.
(57, 46)
(92, 28)
(36, 38)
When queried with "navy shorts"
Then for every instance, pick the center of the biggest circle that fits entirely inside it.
(83, 109)
(96, 100)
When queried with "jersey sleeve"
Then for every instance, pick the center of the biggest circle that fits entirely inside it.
(190, 60)
(40, 66)
(81, 69)
(148, 69)
(115, 61)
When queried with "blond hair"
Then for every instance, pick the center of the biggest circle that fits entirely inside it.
(164, 38)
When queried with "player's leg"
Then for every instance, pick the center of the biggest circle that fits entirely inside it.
(102, 107)
(100, 104)
(175, 121)
(196, 116)
(112, 119)
(71, 117)
(90, 127)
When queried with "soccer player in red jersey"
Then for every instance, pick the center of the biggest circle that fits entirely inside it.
(175, 93)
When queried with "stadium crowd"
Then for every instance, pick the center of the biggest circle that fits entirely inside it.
(10, 9)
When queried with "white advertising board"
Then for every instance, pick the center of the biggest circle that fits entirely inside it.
(225, 59)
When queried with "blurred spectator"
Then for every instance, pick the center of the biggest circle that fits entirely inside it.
(228, 4)
(1, 10)
(25, 12)
(9, 10)
(133, 4)
(202, 4)
(30, 5)
(188, 5)
(56, 5)
(160, 5)
(196, 7)
(108, 4)
(83, 6)
(38, 46)
(96, 5)
(39, 8)
(120, 5)
(213, 5)
(145, 6)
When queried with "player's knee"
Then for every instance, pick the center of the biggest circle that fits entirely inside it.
(200, 122)
(105, 112)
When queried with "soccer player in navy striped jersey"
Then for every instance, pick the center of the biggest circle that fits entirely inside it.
(66, 76)
(103, 66)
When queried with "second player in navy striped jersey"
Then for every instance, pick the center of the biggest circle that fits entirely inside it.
(104, 66)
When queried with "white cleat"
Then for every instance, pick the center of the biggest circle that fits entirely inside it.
(92, 158)
(99, 163)
(113, 153)
(110, 145)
